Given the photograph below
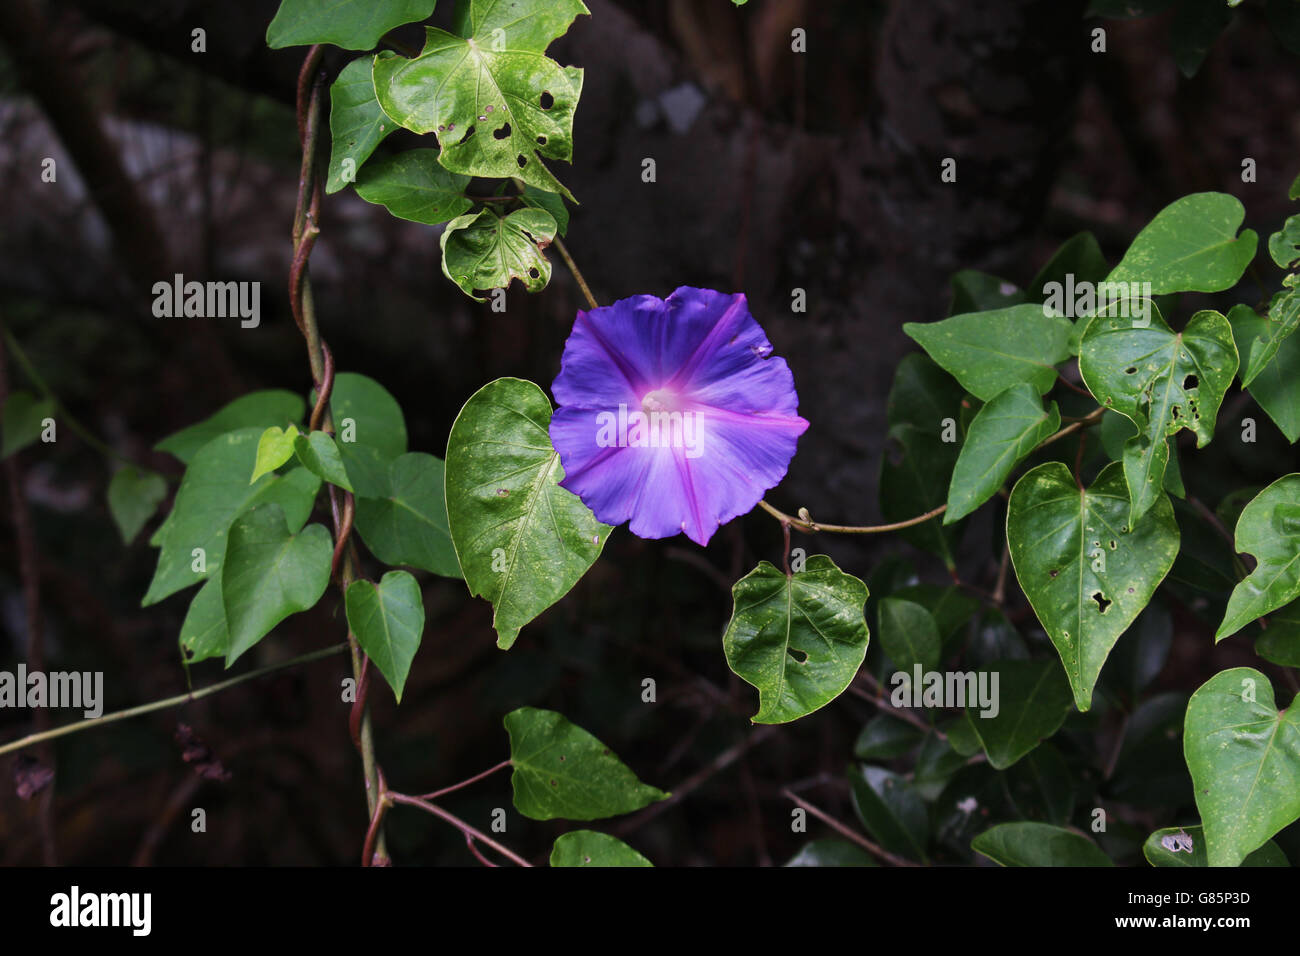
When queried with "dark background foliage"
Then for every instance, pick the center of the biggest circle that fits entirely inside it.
(775, 171)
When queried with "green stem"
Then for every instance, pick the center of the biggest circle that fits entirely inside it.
(166, 702)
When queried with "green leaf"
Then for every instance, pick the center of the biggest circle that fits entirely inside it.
(497, 103)
(551, 202)
(203, 632)
(24, 415)
(1273, 386)
(1079, 260)
(1163, 381)
(909, 635)
(562, 771)
(261, 409)
(320, 456)
(988, 352)
(408, 525)
(411, 185)
(1185, 846)
(522, 540)
(799, 639)
(884, 737)
(133, 497)
(951, 607)
(369, 430)
(1190, 246)
(1282, 320)
(485, 251)
(350, 24)
(1284, 245)
(975, 291)
(1003, 434)
(831, 852)
(891, 810)
(214, 491)
(1269, 529)
(589, 848)
(1197, 24)
(357, 124)
(388, 621)
(1038, 844)
(1030, 702)
(1244, 757)
(270, 573)
(1115, 432)
(1085, 572)
(274, 448)
(1280, 642)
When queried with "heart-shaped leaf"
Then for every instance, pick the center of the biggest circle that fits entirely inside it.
(350, 24)
(1029, 702)
(412, 185)
(799, 639)
(497, 102)
(388, 620)
(589, 848)
(1002, 434)
(1038, 844)
(409, 524)
(1163, 381)
(988, 352)
(133, 497)
(908, 635)
(321, 457)
(370, 431)
(1269, 529)
(213, 492)
(1086, 572)
(270, 573)
(357, 124)
(521, 539)
(1190, 246)
(562, 771)
(274, 448)
(485, 251)
(1244, 757)
(264, 408)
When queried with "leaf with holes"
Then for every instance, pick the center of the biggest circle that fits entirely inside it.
(1002, 434)
(485, 251)
(1244, 757)
(388, 620)
(1185, 847)
(133, 497)
(350, 24)
(264, 408)
(270, 573)
(799, 639)
(1269, 529)
(522, 540)
(1021, 705)
(561, 771)
(357, 124)
(408, 524)
(1163, 381)
(497, 103)
(551, 202)
(1086, 573)
(1190, 246)
(214, 491)
(1284, 245)
(411, 185)
(988, 352)
(589, 848)
(1038, 844)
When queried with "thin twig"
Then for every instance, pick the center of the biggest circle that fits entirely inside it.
(166, 702)
(465, 783)
(846, 832)
(577, 275)
(808, 526)
(459, 824)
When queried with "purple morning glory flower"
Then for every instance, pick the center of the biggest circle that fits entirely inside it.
(673, 415)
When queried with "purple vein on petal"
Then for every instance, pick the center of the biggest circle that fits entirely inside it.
(709, 344)
(630, 373)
